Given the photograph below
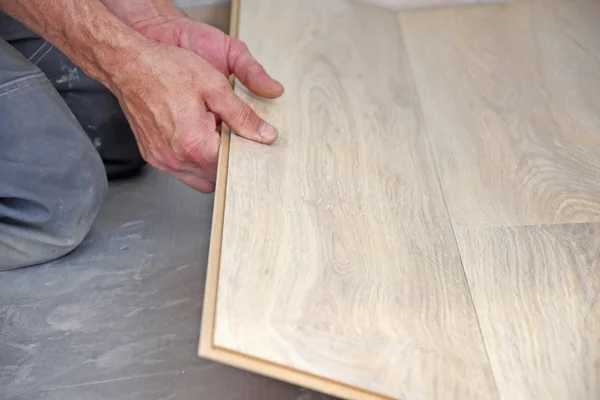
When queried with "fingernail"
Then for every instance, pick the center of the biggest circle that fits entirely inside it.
(267, 131)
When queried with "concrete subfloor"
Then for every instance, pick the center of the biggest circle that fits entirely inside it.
(119, 317)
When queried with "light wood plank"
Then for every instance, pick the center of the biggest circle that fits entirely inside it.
(513, 117)
(337, 260)
(510, 99)
(536, 290)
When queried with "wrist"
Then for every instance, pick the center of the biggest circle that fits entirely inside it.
(136, 66)
(106, 49)
(85, 31)
(113, 64)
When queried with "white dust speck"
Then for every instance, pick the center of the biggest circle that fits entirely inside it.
(70, 75)
(132, 223)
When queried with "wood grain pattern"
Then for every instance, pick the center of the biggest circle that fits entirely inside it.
(536, 290)
(337, 256)
(514, 114)
(334, 263)
(514, 120)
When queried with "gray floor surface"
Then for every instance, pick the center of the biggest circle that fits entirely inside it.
(119, 318)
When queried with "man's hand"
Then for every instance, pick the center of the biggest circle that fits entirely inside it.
(188, 146)
(173, 99)
(169, 74)
(162, 21)
(227, 54)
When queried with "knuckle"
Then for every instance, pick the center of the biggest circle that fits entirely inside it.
(238, 47)
(219, 86)
(245, 116)
(192, 151)
(197, 152)
(217, 90)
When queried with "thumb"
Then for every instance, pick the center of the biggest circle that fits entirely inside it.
(240, 117)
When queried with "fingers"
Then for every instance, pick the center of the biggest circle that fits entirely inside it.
(194, 156)
(239, 116)
(199, 168)
(243, 65)
(200, 172)
(201, 154)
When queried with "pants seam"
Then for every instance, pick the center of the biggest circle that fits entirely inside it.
(15, 81)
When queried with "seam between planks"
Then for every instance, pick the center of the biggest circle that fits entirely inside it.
(441, 188)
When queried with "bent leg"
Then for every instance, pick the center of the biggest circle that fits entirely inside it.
(52, 181)
(95, 107)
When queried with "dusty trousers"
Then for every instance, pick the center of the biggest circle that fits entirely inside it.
(62, 136)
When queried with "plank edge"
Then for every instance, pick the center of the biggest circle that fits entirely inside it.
(216, 237)
(289, 375)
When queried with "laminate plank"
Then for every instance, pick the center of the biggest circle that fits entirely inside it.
(536, 291)
(337, 267)
(513, 119)
(510, 100)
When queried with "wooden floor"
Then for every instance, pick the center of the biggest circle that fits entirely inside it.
(427, 225)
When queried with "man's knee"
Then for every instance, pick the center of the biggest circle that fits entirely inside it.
(44, 226)
(52, 180)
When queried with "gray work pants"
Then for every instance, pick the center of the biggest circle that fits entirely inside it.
(53, 162)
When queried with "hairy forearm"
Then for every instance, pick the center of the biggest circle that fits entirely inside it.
(139, 12)
(85, 30)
